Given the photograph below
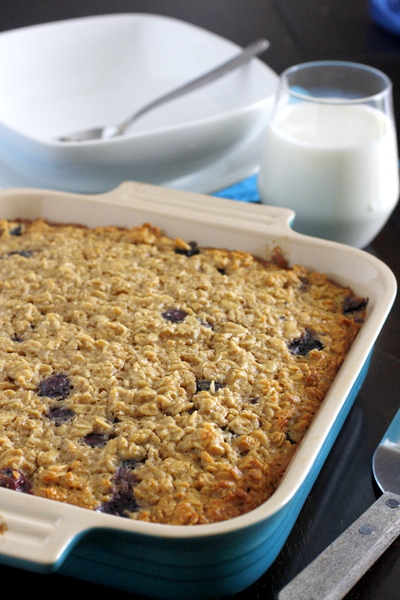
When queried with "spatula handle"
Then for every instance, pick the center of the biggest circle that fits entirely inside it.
(336, 570)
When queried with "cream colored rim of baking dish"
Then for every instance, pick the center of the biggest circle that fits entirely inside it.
(38, 530)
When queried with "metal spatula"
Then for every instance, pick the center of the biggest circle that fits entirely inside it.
(336, 570)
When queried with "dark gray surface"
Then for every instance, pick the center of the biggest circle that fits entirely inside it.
(299, 30)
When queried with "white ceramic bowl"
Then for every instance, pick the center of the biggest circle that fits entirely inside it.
(80, 73)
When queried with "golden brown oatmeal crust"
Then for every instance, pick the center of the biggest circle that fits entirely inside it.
(150, 378)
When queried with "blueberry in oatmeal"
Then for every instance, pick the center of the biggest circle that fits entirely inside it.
(354, 304)
(304, 344)
(60, 415)
(17, 338)
(17, 231)
(254, 400)
(95, 440)
(175, 315)
(122, 502)
(14, 479)
(56, 386)
(191, 251)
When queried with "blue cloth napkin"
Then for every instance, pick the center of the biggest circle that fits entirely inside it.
(245, 191)
(386, 14)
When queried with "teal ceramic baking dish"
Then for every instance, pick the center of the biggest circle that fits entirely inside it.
(201, 561)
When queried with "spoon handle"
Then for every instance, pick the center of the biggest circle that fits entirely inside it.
(253, 49)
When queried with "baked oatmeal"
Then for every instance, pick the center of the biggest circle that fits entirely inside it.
(147, 377)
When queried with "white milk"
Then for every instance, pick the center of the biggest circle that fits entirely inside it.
(336, 166)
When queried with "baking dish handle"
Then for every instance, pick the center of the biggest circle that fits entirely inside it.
(214, 209)
(336, 570)
(40, 534)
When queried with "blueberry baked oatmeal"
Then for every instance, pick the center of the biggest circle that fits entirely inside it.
(147, 377)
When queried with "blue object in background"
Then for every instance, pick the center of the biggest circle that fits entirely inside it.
(245, 191)
(386, 14)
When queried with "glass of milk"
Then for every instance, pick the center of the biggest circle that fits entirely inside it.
(330, 151)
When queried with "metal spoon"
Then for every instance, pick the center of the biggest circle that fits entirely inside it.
(109, 131)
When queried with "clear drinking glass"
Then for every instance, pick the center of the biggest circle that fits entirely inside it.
(330, 151)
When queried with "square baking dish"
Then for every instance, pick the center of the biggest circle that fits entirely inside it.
(201, 561)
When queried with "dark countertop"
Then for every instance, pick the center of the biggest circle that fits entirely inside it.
(298, 31)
